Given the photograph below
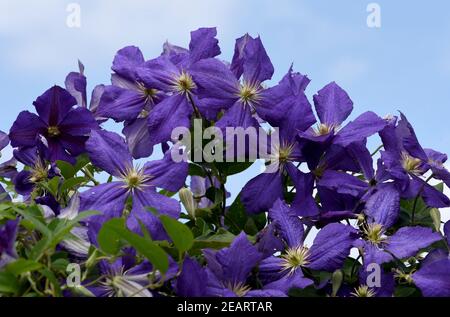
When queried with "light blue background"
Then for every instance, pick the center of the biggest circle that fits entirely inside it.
(404, 65)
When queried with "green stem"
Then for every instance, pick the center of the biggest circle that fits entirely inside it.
(196, 111)
(377, 150)
(413, 213)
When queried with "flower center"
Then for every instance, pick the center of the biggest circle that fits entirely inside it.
(363, 291)
(240, 289)
(53, 131)
(282, 153)
(38, 173)
(411, 164)
(184, 83)
(295, 258)
(323, 129)
(249, 93)
(135, 178)
(374, 233)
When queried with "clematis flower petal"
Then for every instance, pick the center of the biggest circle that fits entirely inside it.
(109, 151)
(434, 279)
(250, 60)
(108, 198)
(359, 129)
(166, 173)
(191, 282)
(289, 281)
(4, 140)
(407, 241)
(215, 80)
(75, 84)
(331, 246)
(162, 204)
(304, 203)
(120, 104)
(287, 223)
(259, 193)
(54, 104)
(203, 44)
(333, 105)
(343, 183)
(78, 122)
(172, 112)
(138, 139)
(238, 259)
(383, 206)
(25, 130)
(126, 61)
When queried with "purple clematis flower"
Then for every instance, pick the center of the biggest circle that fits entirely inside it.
(333, 106)
(405, 161)
(125, 278)
(8, 234)
(170, 78)
(330, 248)
(226, 274)
(38, 169)
(4, 140)
(76, 83)
(433, 278)
(239, 90)
(109, 151)
(377, 245)
(130, 99)
(7, 169)
(62, 128)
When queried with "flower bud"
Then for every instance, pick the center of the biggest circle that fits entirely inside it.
(435, 215)
(336, 282)
(187, 199)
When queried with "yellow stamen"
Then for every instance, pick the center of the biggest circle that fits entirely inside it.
(183, 83)
(249, 94)
(53, 131)
(363, 291)
(411, 164)
(294, 258)
(374, 233)
(324, 129)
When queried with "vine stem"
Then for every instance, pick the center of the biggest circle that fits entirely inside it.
(196, 111)
(413, 213)
(377, 150)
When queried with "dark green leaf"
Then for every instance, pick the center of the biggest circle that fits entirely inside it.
(114, 230)
(8, 283)
(22, 266)
(180, 234)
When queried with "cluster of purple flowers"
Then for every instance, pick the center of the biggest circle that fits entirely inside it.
(377, 231)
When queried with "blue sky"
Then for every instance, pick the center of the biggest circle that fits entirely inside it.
(404, 65)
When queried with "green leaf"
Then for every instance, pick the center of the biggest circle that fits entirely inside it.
(22, 266)
(237, 219)
(180, 234)
(219, 240)
(196, 170)
(67, 169)
(229, 168)
(309, 291)
(72, 182)
(114, 230)
(53, 185)
(406, 291)
(53, 280)
(34, 216)
(8, 283)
